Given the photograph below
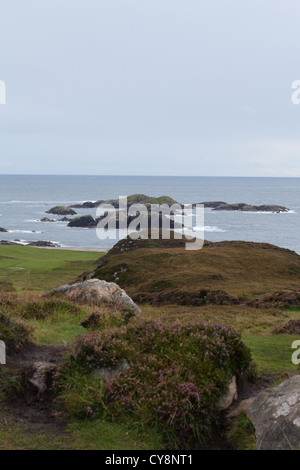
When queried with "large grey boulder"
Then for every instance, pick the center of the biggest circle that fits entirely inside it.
(275, 414)
(93, 291)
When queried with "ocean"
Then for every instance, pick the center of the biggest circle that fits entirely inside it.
(24, 200)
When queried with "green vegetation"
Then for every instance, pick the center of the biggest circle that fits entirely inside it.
(221, 273)
(83, 435)
(241, 434)
(39, 270)
(10, 382)
(179, 350)
(272, 354)
(14, 332)
(174, 377)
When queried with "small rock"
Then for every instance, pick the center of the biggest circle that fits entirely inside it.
(61, 210)
(229, 397)
(2, 353)
(108, 372)
(41, 378)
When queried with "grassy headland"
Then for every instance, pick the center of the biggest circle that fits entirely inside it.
(170, 285)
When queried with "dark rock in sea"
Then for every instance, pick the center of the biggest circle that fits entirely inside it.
(213, 204)
(133, 199)
(3, 229)
(64, 219)
(223, 206)
(84, 221)
(46, 219)
(43, 244)
(143, 219)
(87, 205)
(61, 210)
(7, 242)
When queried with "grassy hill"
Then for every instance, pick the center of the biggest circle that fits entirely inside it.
(163, 271)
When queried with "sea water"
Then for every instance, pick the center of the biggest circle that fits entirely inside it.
(24, 200)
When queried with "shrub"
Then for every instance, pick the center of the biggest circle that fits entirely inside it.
(10, 382)
(36, 308)
(108, 315)
(177, 374)
(241, 434)
(15, 333)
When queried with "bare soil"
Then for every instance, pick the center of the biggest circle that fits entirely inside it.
(27, 409)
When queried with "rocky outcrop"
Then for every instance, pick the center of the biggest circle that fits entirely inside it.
(46, 219)
(213, 204)
(3, 229)
(7, 242)
(87, 205)
(132, 199)
(143, 218)
(95, 291)
(61, 210)
(43, 244)
(224, 206)
(84, 221)
(275, 414)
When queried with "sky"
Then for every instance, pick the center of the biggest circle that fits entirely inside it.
(150, 87)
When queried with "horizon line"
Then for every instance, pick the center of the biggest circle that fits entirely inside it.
(147, 176)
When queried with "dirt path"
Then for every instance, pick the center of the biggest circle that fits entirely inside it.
(33, 409)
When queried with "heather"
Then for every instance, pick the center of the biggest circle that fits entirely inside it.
(37, 308)
(14, 332)
(175, 376)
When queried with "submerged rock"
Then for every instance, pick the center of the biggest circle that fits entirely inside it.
(241, 206)
(46, 219)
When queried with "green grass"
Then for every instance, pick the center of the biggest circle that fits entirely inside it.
(59, 329)
(241, 434)
(43, 269)
(272, 354)
(101, 435)
(37, 269)
(83, 435)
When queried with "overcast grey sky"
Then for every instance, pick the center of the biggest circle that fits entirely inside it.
(150, 87)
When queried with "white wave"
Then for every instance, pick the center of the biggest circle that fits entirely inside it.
(24, 231)
(209, 228)
(41, 202)
(268, 212)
